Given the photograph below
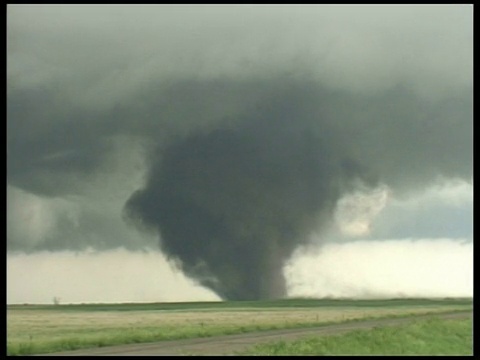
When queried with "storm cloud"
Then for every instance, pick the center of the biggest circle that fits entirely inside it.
(229, 132)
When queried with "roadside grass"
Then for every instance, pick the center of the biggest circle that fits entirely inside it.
(94, 338)
(423, 337)
(48, 328)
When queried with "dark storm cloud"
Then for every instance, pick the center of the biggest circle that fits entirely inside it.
(59, 141)
(248, 143)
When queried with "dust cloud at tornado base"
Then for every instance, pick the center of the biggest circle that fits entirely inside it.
(238, 167)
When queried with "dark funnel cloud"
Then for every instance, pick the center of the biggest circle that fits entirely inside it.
(228, 132)
(232, 203)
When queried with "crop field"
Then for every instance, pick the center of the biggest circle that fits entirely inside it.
(36, 329)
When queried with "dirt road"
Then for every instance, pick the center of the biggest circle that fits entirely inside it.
(229, 344)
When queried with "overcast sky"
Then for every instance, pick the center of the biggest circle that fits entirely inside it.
(206, 152)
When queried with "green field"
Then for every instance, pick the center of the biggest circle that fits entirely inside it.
(423, 337)
(35, 329)
(215, 305)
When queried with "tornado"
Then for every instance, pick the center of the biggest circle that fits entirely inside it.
(232, 201)
(229, 133)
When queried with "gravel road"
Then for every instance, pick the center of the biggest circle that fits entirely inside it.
(229, 344)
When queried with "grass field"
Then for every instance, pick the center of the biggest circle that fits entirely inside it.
(35, 329)
(423, 337)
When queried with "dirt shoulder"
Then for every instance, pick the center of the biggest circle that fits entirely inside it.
(229, 344)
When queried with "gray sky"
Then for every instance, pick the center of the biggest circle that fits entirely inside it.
(285, 109)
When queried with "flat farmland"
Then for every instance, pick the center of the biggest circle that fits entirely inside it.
(37, 329)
